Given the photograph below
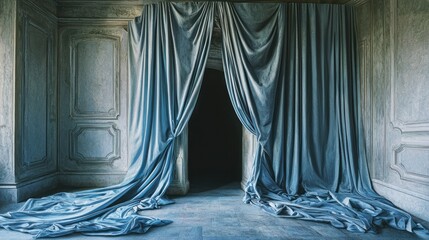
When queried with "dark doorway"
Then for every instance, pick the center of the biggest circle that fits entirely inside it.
(214, 136)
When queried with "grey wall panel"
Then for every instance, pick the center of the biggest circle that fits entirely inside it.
(99, 9)
(93, 104)
(35, 97)
(411, 162)
(410, 47)
(95, 143)
(27, 99)
(408, 124)
(95, 77)
(7, 91)
(36, 103)
(364, 16)
(397, 34)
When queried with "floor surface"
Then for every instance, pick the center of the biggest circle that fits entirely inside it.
(219, 213)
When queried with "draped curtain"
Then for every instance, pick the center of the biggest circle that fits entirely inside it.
(292, 75)
(168, 47)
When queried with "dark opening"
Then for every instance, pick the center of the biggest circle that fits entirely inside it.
(214, 136)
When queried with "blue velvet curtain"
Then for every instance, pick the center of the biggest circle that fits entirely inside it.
(168, 47)
(292, 75)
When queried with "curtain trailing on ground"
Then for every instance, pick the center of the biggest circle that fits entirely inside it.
(292, 76)
(168, 47)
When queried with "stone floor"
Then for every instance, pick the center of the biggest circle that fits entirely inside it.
(219, 213)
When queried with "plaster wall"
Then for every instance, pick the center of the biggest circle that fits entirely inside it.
(394, 55)
(93, 94)
(28, 106)
(7, 94)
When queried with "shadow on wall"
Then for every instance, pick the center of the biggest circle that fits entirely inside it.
(214, 137)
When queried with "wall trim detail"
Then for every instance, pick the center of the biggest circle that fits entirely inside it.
(402, 198)
(49, 15)
(377, 182)
(44, 160)
(75, 112)
(31, 188)
(402, 126)
(397, 165)
(108, 159)
(90, 180)
(122, 22)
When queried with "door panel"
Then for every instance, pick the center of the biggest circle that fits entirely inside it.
(93, 113)
(394, 56)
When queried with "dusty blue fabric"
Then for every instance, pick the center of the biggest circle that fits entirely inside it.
(168, 51)
(292, 76)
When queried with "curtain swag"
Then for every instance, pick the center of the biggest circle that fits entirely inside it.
(292, 75)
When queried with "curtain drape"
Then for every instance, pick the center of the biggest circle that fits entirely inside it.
(168, 47)
(292, 76)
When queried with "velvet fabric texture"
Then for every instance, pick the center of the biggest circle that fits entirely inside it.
(292, 75)
(293, 79)
(168, 47)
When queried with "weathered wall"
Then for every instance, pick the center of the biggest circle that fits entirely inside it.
(393, 41)
(93, 92)
(394, 58)
(28, 110)
(7, 95)
(36, 101)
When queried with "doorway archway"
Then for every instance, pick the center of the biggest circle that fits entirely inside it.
(180, 183)
(214, 136)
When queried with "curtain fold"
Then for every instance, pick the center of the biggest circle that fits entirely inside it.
(168, 47)
(292, 76)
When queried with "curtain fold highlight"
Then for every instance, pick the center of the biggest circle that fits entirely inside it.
(292, 76)
(168, 47)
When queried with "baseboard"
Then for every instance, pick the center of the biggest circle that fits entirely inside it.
(13, 193)
(415, 203)
(85, 180)
(177, 188)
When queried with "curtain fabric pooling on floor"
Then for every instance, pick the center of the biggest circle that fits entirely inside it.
(292, 75)
(293, 78)
(168, 47)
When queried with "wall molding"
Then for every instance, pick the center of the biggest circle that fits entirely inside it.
(38, 163)
(402, 190)
(50, 16)
(403, 198)
(109, 157)
(401, 125)
(399, 167)
(75, 112)
(92, 124)
(90, 179)
(36, 93)
(120, 22)
(61, 3)
(30, 188)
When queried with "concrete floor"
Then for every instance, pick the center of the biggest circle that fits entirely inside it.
(219, 213)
